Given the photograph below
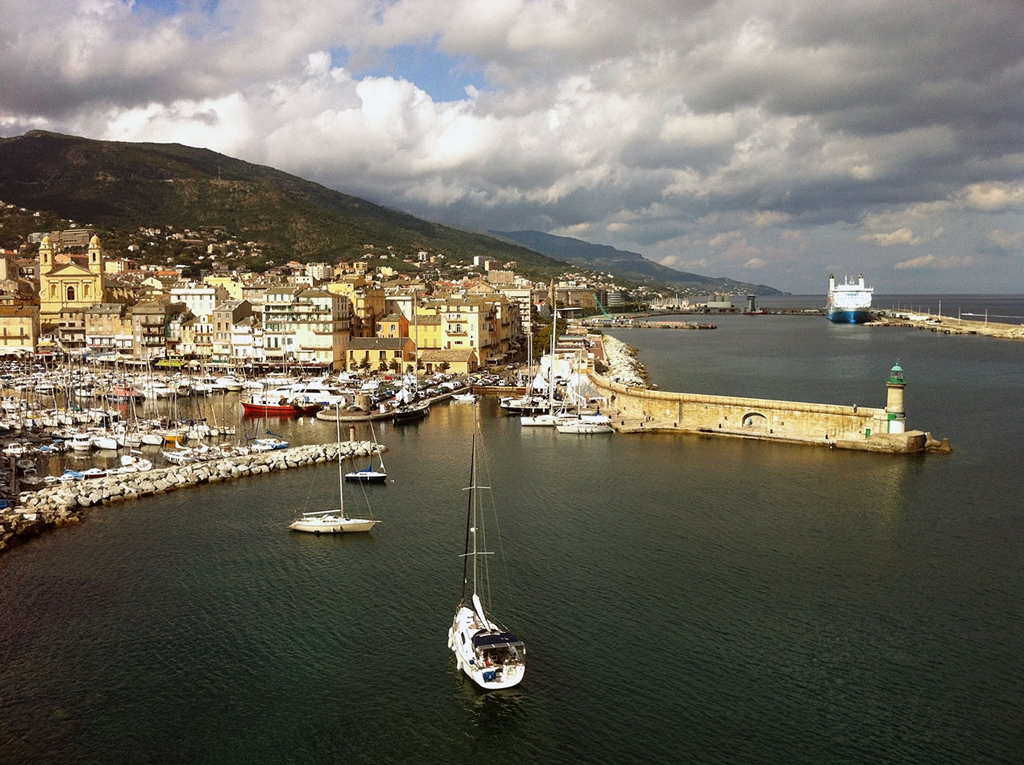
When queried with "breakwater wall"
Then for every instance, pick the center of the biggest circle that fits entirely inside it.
(63, 504)
(635, 409)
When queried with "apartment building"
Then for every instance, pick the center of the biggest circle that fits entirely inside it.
(305, 325)
(223, 320)
(108, 328)
(155, 327)
(19, 329)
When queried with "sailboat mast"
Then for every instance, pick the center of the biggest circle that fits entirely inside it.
(469, 525)
(341, 476)
(551, 366)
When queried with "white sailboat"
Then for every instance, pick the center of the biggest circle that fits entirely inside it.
(333, 521)
(489, 654)
(369, 474)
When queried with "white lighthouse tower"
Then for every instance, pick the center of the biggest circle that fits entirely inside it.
(896, 415)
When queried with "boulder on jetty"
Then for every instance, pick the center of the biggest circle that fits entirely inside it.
(62, 505)
(623, 367)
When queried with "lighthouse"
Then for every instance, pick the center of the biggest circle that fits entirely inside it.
(896, 417)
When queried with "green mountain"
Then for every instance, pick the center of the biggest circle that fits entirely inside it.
(120, 187)
(629, 265)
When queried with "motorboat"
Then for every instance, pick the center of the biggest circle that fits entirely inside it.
(587, 424)
(278, 403)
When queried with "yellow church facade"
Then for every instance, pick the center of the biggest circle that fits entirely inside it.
(65, 287)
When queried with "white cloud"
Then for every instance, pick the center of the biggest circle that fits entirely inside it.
(993, 197)
(935, 262)
(677, 262)
(902, 236)
(1004, 240)
(726, 239)
(655, 124)
(754, 263)
(768, 218)
(700, 130)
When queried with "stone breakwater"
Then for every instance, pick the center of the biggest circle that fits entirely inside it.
(623, 367)
(63, 504)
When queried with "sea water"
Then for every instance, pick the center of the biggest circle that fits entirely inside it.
(683, 598)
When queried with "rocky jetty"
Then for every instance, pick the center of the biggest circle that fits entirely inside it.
(622, 364)
(64, 504)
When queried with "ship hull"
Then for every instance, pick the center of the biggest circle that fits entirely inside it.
(848, 317)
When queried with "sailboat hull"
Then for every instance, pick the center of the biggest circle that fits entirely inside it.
(366, 476)
(484, 667)
(332, 525)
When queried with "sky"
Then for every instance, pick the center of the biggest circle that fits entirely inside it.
(770, 141)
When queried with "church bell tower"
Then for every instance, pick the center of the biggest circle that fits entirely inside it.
(96, 256)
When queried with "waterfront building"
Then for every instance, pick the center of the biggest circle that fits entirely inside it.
(397, 354)
(247, 341)
(156, 327)
(108, 328)
(224, 318)
(368, 302)
(305, 325)
(523, 299)
(470, 322)
(19, 329)
(461, 361)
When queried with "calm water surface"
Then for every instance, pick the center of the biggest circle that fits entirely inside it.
(684, 599)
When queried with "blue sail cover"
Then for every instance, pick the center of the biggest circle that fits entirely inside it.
(506, 639)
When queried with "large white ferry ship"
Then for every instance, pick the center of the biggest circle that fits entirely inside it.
(849, 302)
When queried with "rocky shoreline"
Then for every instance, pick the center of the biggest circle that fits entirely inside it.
(623, 366)
(63, 505)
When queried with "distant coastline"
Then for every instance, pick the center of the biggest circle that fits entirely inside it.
(1005, 309)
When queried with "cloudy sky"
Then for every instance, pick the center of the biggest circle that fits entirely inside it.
(772, 141)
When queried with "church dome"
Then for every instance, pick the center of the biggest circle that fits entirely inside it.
(95, 241)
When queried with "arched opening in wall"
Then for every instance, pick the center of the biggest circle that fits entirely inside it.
(755, 420)
(71, 294)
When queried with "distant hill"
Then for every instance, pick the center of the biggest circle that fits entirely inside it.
(628, 265)
(119, 187)
(122, 186)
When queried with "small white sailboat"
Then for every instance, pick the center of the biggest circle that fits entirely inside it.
(369, 474)
(489, 654)
(333, 521)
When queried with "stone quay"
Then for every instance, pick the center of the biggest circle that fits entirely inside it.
(63, 504)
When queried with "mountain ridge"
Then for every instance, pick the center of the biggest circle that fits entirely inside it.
(630, 265)
(122, 186)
